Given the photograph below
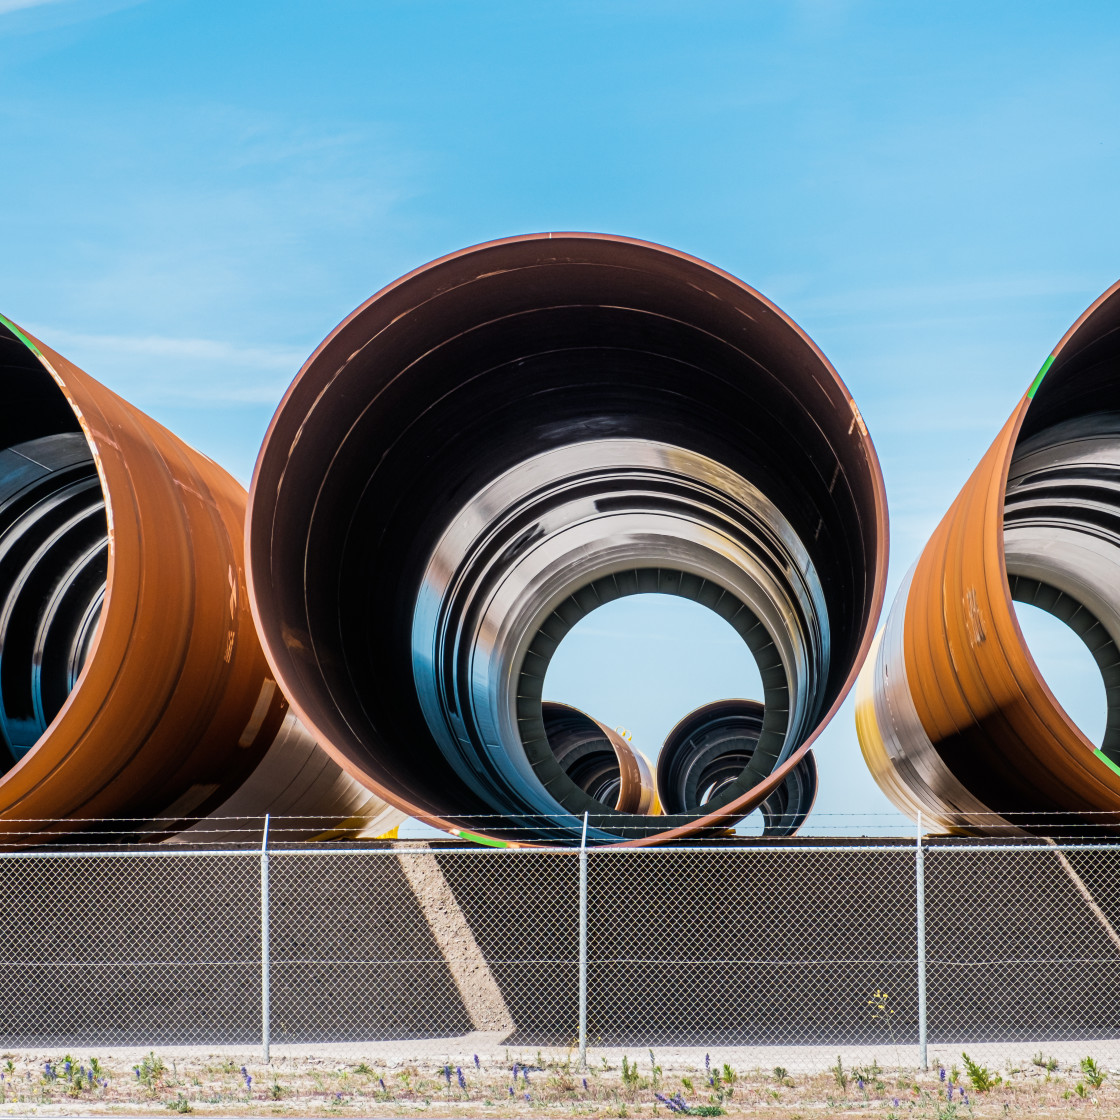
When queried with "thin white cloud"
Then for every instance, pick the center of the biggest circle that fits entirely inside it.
(160, 367)
(42, 18)
(72, 10)
(957, 293)
(198, 349)
(7, 6)
(620, 635)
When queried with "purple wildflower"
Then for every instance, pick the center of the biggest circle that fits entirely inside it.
(708, 1062)
(525, 1073)
(381, 1081)
(516, 1070)
(859, 1082)
(477, 1063)
(66, 1068)
(527, 1097)
(447, 1074)
(949, 1091)
(462, 1079)
(585, 1084)
(248, 1082)
(511, 1090)
(894, 1101)
(338, 1096)
(941, 1072)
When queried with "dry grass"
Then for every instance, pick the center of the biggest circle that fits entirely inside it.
(543, 1087)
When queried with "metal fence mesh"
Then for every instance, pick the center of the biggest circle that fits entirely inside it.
(1022, 946)
(792, 952)
(417, 944)
(128, 949)
(799, 947)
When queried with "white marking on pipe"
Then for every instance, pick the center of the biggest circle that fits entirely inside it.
(260, 710)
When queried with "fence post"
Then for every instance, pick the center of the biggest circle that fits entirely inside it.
(583, 947)
(920, 893)
(266, 995)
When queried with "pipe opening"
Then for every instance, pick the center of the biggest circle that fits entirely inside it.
(1058, 648)
(639, 662)
(706, 753)
(955, 716)
(703, 758)
(532, 554)
(1061, 532)
(54, 549)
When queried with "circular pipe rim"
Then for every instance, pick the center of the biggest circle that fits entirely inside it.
(711, 821)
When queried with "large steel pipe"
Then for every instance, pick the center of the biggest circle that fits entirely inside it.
(505, 439)
(599, 760)
(132, 683)
(711, 747)
(954, 717)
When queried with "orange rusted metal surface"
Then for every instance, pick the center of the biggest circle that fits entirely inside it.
(169, 706)
(503, 439)
(954, 717)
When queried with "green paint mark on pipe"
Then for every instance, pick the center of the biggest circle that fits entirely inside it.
(1107, 761)
(20, 335)
(1038, 378)
(488, 843)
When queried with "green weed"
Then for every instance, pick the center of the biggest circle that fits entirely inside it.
(982, 1079)
(1093, 1073)
(630, 1075)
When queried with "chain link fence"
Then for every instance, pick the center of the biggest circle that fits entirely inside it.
(790, 953)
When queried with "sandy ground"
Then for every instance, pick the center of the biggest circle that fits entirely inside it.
(477, 1075)
(494, 1051)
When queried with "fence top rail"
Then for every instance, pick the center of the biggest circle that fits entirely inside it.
(404, 849)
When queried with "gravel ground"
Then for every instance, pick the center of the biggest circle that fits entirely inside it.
(406, 1078)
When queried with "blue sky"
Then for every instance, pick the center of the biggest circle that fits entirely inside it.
(196, 192)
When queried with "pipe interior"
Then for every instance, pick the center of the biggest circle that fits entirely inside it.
(584, 752)
(707, 752)
(1062, 539)
(53, 550)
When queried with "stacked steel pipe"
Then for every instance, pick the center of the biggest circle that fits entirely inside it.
(478, 457)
